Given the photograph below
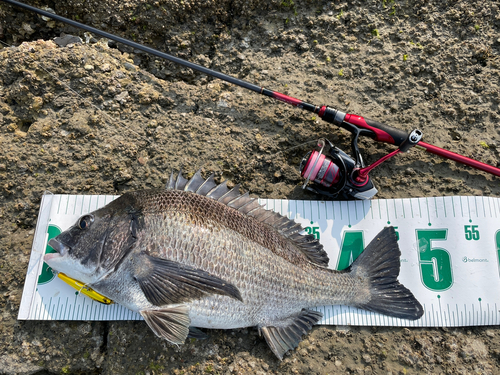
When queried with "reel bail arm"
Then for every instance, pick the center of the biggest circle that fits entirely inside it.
(360, 176)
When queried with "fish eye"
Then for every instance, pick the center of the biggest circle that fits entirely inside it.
(85, 221)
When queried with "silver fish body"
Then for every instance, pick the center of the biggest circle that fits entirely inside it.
(197, 254)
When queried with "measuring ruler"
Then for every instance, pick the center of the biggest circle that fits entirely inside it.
(450, 256)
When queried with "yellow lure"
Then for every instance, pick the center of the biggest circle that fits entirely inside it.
(78, 285)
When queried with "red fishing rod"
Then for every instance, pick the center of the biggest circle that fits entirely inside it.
(356, 124)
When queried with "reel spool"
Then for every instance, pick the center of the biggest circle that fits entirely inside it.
(331, 173)
(335, 174)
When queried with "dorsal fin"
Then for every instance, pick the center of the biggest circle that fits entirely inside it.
(208, 185)
(230, 195)
(218, 191)
(307, 244)
(195, 182)
(240, 201)
(181, 182)
(171, 182)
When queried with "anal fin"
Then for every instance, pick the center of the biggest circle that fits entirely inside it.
(169, 323)
(286, 335)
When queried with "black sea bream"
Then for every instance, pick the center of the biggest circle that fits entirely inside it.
(200, 255)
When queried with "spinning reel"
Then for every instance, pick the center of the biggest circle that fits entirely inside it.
(335, 174)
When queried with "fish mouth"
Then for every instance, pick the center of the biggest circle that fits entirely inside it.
(61, 249)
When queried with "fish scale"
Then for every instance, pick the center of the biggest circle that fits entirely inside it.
(201, 255)
(197, 209)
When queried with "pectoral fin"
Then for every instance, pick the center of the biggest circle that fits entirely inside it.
(165, 282)
(169, 323)
(286, 335)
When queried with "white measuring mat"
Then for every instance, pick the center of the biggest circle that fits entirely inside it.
(450, 256)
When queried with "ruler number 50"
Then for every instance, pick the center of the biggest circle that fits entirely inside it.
(471, 232)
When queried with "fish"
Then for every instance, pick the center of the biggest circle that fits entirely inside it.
(197, 254)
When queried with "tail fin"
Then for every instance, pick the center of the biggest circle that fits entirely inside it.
(380, 263)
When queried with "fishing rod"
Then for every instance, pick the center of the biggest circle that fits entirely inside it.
(329, 167)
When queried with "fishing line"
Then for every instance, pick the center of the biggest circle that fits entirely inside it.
(294, 147)
(110, 120)
(356, 124)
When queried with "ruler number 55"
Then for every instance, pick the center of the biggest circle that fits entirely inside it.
(471, 232)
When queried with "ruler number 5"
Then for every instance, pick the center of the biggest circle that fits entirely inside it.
(471, 232)
(435, 262)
